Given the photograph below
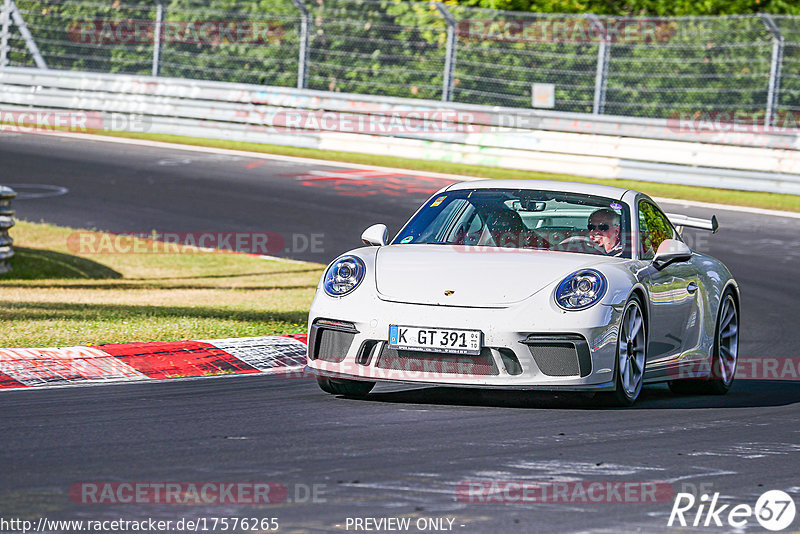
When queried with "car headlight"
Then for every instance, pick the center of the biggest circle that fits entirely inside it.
(344, 275)
(581, 289)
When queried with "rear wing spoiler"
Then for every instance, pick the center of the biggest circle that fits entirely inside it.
(693, 222)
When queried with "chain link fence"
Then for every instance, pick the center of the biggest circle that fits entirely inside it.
(645, 67)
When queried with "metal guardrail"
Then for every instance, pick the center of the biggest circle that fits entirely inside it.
(567, 143)
(34, 84)
(6, 222)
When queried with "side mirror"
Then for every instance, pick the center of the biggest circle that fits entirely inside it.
(375, 235)
(670, 251)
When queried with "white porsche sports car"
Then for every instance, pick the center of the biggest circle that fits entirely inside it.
(528, 284)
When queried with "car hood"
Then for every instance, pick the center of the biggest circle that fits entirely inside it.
(488, 277)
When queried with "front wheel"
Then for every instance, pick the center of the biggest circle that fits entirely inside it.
(631, 355)
(348, 388)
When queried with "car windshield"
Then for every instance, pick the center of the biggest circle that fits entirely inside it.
(530, 219)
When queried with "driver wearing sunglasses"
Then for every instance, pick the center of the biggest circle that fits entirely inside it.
(604, 231)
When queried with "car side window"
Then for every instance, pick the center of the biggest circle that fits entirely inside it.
(654, 228)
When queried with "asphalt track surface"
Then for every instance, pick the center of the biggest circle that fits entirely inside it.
(402, 452)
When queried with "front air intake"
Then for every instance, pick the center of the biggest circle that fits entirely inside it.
(566, 355)
(330, 341)
(437, 363)
(333, 345)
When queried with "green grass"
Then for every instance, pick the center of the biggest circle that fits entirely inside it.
(55, 296)
(704, 194)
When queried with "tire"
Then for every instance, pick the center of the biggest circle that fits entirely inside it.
(347, 388)
(724, 357)
(631, 355)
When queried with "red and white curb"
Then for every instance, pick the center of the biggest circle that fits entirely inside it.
(58, 366)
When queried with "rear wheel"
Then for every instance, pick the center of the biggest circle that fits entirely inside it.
(631, 355)
(348, 388)
(724, 357)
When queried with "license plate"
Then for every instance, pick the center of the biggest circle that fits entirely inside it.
(450, 340)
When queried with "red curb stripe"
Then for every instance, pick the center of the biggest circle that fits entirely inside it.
(8, 382)
(177, 359)
(63, 365)
(303, 338)
(145, 360)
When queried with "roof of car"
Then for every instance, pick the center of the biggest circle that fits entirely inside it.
(544, 185)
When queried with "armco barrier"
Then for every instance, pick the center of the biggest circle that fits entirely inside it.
(6, 222)
(598, 146)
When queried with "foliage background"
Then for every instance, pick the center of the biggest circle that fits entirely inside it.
(718, 59)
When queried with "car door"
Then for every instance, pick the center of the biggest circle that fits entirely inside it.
(694, 297)
(672, 292)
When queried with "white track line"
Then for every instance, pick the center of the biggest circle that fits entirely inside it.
(330, 163)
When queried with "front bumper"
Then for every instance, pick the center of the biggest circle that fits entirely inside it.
(556, 350)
